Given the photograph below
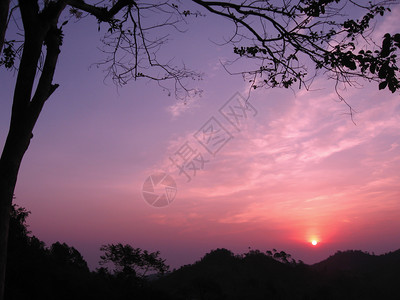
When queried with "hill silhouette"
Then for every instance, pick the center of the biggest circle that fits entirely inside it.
(255, 275)
(35, 271)
(222, 275)
(358, 261)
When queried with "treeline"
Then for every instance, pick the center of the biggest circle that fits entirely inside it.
(271, 275)
(60, 272)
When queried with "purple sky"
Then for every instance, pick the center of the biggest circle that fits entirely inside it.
(299, 170)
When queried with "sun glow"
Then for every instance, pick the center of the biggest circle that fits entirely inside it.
(314, 242)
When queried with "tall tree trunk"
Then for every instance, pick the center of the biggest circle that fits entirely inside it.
(4, 8)
(16, 144)
(27, 106)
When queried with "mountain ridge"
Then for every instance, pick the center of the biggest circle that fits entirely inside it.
(351, 274)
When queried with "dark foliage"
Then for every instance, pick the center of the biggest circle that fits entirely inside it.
(134, 262)
(60, 272)
(258, 275)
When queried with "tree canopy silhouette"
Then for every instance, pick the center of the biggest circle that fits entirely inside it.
(285, 44)
(133, 262)
(60, 272)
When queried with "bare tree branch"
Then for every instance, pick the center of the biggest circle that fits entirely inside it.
(276, 38)
(132, 43)
(4, 8)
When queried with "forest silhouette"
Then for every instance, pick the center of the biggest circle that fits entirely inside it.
(35, 271)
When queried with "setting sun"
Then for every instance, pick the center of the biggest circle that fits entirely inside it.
(314, 242)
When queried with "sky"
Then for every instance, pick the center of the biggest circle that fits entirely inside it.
(296, 167)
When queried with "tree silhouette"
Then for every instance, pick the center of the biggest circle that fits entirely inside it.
(282, 38)
(132, 262)
(59, 272)
(66, 255)
(278, 40)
